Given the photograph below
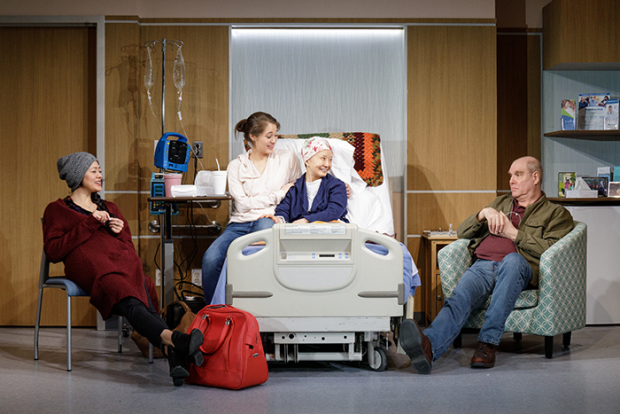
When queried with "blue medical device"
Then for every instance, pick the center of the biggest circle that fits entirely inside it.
(158, 190)
(172, 155)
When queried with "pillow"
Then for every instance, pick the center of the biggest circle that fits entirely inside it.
(342, 164)
(367, 154)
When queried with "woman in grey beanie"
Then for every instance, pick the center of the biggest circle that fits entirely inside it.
(92, 238)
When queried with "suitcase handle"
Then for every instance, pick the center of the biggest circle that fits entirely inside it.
(212, 340)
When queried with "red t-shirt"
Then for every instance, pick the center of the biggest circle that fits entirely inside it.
(495, 247)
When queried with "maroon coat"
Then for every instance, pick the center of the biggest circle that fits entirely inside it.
(101, 262)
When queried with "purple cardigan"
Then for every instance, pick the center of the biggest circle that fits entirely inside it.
(329, 204)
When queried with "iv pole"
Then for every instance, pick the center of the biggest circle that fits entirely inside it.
(167, 243)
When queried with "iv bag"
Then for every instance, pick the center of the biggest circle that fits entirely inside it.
(178, 71)
(149, 80)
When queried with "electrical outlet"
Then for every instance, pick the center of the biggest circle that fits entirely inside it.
(197, 149)
(157, 277)
(197, 277)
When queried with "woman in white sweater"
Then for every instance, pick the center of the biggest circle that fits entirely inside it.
(257, 180)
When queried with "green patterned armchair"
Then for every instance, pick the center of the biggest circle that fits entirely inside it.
(559, 304)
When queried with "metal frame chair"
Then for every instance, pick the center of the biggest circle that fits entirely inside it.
(72, 290)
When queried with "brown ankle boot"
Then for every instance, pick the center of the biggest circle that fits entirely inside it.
(417, 346)
(484, 356)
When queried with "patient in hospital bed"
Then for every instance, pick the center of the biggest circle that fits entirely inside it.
(368, 207)
(316, 195)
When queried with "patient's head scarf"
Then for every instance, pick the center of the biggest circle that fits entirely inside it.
(72, 168)
(312, 146)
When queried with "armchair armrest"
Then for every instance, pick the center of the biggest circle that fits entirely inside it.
(562, 280)
(453, 260)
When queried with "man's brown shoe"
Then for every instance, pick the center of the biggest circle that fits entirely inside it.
(484, 356)
(417, 346)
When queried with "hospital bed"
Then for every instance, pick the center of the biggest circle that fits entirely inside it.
(325, 292)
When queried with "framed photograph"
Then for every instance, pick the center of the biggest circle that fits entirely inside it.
(599, 184)
(614, 189)
(566, 181)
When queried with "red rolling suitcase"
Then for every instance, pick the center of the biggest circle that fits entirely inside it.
(232, 349)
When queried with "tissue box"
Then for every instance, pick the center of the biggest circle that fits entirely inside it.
(581, 194)
(183, 190)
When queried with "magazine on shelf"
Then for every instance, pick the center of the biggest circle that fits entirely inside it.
(611, 114)
(568, 114)
(566, 182)
(592, 108)
(604, 172)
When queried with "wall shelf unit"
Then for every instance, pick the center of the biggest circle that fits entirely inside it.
(583, 134)
(601, 201)
(574, 62)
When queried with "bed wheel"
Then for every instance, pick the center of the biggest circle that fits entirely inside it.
(380, 360)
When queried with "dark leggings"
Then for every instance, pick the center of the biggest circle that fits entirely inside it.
(145, 321)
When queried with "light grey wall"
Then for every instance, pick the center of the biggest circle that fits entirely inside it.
(323, 80)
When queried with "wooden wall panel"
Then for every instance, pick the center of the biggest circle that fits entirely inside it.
(431, 211)
(147, 248)
(534, 93)
(581, 32)
(512, 102)
(45, 114)
(123, 87)
(451, 108)
(518, 100)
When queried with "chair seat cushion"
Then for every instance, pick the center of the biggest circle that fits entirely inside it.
(66, 284)
(526, 299)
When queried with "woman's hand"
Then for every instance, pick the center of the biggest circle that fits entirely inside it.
(349, 191)
(116, 225)
(101, 216)
(271, 216)
(301, 221)
(287, 187)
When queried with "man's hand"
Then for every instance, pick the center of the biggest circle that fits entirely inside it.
(498, 223)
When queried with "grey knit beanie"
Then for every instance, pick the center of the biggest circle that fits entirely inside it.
(72, 168)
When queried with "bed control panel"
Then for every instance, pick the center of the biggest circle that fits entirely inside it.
(324, 243)
(316, 256)
(314, 229)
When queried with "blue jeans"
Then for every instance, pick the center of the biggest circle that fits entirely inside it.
(505, 280)
(214, 257)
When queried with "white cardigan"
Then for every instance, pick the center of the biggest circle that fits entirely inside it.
(256, 194)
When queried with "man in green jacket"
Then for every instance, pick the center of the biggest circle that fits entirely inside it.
(507, 239)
